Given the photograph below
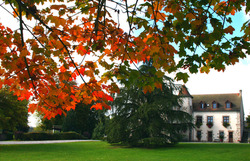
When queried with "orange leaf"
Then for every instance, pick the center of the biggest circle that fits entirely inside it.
(109, 98)
(63, 69)
(158, 85)
(82, 70)
(32, 107)
(147, 89)
(106, 106)
(229, 29)
(57, 7)
(97, 106)
(81, 50)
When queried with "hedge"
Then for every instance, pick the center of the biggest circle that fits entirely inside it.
(48, 136)
(6, 136)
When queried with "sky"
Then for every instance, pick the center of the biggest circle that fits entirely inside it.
(232, 80)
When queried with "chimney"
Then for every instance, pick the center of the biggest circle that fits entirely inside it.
(240, 94)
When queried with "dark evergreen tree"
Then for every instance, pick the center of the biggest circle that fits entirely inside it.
(82, 120)
(148, 119)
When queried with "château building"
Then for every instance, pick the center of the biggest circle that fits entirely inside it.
(217, 117)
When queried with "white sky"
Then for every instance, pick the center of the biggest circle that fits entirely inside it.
(234, 78)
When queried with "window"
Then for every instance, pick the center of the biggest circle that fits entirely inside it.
(228, 104)
(202, 105)
(225, 119)
(214, 105)
(221, 133)
(221, 136)
(198, 135)
(210, 119)
(199, 119)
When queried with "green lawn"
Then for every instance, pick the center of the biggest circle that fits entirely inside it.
(103, 151)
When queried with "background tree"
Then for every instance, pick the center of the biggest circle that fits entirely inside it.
(248, 121)
(75, 39)
(99, 132)
(148, 118)
(13, 112)
(47, 124)
(82, 120)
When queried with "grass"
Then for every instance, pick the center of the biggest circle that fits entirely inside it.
(99, 151)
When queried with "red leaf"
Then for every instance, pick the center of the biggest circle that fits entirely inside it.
(229, 29)
(97, 106)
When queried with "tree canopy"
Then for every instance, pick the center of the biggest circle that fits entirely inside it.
(148, 119)
(13, 112)
(88, 41)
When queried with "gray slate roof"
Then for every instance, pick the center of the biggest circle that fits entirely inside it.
(220, 99)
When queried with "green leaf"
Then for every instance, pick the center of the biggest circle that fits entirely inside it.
(182, 76)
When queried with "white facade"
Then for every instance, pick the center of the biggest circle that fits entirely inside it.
(234, 128)
(215, 108)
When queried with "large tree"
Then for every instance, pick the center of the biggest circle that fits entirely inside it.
(13, 112)
(148, 118)
(76, 39)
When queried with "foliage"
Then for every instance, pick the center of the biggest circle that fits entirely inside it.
(198, 124)
(13, 112)
(221, 136)
(82, 120)
(76, 39)
(147, 119)
(210, 124)
(226, 124)
(248, 121)
(6, 136)
(99, 131)
(48, 124)
(103, 151)
(48, 136)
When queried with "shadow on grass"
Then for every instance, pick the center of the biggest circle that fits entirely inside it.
(141, 146)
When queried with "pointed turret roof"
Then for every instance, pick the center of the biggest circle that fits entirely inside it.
(184, 92)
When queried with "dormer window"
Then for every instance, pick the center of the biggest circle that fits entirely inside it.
(202, 105)
(214, 105)
(228, 104)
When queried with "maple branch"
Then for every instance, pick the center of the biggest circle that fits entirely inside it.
(21, 22)
(50, 29)
(100, 5)
(224, 18)
(22, 39)
(129, 33)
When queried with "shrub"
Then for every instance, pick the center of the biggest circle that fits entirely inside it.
(48, 136)
(18, 135)
(99, 132)
(6, 136)
(71, 135)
